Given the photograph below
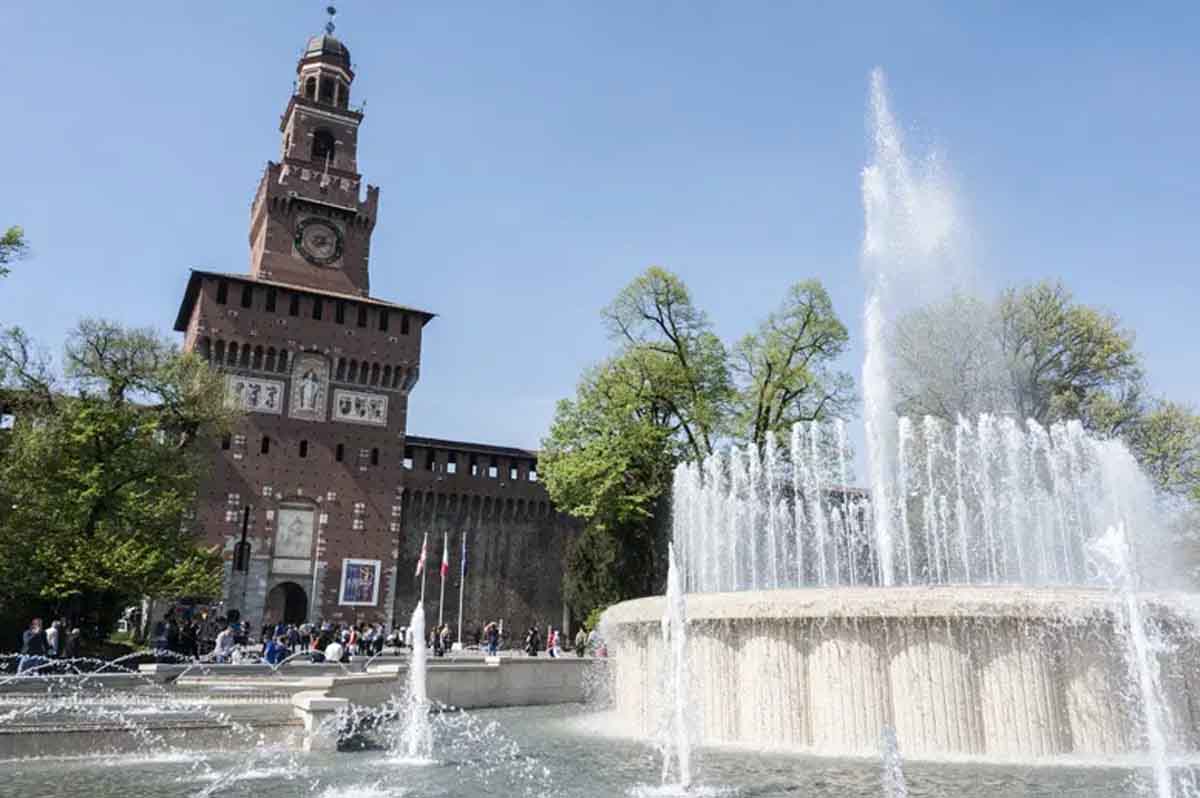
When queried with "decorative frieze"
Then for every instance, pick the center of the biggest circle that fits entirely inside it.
(360, 408)
(254, 395)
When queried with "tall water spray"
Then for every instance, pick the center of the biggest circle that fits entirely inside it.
(910, 223)
(676, 741)
(416, 736)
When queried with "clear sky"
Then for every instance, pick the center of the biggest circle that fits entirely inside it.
(534, 157)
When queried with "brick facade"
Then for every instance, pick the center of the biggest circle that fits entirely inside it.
(324, 371)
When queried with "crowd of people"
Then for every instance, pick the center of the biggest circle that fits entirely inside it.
(187, 637)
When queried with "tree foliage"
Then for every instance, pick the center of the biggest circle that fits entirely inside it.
(673, 391)
(99, 471)
(13, 246)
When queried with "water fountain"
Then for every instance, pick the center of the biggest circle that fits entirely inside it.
(415, 742)
(973, 599)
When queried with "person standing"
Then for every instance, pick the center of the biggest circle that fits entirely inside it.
(225, 643)
(52, 635)
(71, 647)
(33, 646)
(492, 633)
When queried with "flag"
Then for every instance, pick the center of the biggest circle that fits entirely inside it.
(463, 572)
(445, 555)
(424, 555)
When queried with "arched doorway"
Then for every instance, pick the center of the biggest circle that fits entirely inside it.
(286, 603)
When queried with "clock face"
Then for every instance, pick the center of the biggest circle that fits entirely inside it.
(319, 241)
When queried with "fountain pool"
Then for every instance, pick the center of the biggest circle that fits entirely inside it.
(551, 751)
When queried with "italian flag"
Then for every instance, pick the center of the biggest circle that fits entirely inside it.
(445, 555)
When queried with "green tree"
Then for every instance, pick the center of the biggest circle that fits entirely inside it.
(672, 392)
(99, 472)
(1165, 438)
(12, 247)
(785, 371)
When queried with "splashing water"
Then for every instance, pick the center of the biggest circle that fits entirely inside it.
(676, 742)
(415, 743)
(894, 785)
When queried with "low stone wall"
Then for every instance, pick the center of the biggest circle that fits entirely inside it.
(1007, 673)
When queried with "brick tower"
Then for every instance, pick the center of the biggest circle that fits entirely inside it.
(321, 369)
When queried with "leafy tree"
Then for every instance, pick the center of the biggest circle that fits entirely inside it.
(99, 473)
(12, 247)
(672, 392)
(1166, 441)
(784, 369)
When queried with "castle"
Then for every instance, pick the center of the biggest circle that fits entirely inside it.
(320, 479)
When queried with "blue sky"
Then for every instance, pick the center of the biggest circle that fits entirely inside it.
(534, 157)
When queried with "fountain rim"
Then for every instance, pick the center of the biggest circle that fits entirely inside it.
(1018, 602)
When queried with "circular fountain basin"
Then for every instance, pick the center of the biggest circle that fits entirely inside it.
(1002, 672)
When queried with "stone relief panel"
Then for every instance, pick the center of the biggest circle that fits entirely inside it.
(294, 533)
(360, 408)
(254, 395)
(310, 387)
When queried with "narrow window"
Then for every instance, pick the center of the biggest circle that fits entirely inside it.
(404, 324)
(340, 313)
(431, 461)
(362, 315)
(304, 448)
(374, 457)
(474, 466)
(247, 296)
(326, 90)
(318, 307)
(322, 148)
(374, 373)
(383, 321)
(493, 469)
(283, 360)
(226, 441)
(266, 445)
(408, 459)
(339, 453)
(310, 88)
(222, 292)
(532, 474)
(271, 299)
(512, 472)
(452, 463)
(341, 369)
(294, 305)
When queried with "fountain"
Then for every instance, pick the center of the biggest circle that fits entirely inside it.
(988, 598)
(415, 742)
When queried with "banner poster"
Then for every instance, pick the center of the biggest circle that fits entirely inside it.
(360, 583)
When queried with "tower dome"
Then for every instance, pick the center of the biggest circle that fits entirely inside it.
(324, 46)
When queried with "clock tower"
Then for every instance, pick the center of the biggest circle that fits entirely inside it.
(311, 221)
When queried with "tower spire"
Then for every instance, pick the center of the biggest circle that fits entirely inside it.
(329, 26)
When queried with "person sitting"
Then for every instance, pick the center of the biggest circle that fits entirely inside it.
(334, 651)
(276, 651)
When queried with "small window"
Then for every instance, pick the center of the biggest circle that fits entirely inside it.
(404, 324)
(294, 305)
(362, 315)
(451, 463)
(408, 459)
(383, 321)
(247, 296)
(283, 360)
(532, 475)
(493, 469)
(474, 466)
(266, 445)
(271, 299)
(310, 88)
(326, 90)
(322, 148)
(222, 292)
(304, 448)
(513, 473)
(226, 441)
(374, 457)
(340, 313)
(339, 452)
(318, 308)
(431, 461)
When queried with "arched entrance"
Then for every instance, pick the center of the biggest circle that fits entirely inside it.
(286, 603)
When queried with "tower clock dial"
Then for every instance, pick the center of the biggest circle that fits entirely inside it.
(319, 241)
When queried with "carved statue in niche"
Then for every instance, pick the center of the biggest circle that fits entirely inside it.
(310, 387)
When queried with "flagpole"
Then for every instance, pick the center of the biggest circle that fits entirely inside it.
(421, 569)
(442, 598)
(462, 580)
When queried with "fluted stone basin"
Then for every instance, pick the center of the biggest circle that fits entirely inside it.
(1002, 672)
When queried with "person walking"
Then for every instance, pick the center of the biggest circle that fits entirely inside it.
(533, 641)
(580, 642)
(226, 641)
(492, 633)
(33, 646)
(551, 642)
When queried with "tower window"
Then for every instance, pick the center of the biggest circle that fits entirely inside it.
(266, 445)
(340, 313)
(247, 296)
(304, 448)
(374, 457)
(318, 307)
(322, 148)
(222, 292)
(404, 324)
(326, 95)
(226, 441)
(362, 315)
(383, 321)
(271, 300)
(339, 452)
(310, 88)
